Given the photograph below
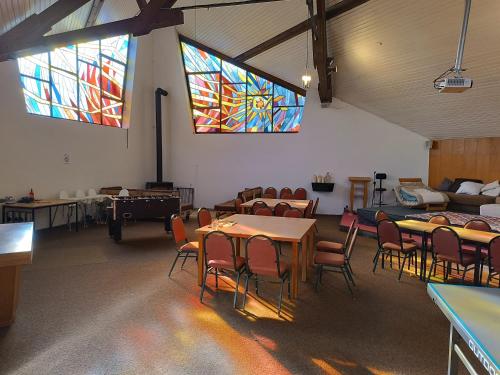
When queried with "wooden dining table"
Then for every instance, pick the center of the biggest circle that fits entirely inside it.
(300, 204)
(424, 228)
(299, 232)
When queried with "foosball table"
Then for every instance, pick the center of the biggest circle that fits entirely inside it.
(140, 208)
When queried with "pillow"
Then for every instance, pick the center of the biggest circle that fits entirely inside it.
(492, 192)
(470, 188)
(458, 181)
(490, 186)
(445, 185)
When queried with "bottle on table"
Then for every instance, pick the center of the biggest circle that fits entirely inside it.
(31, 195)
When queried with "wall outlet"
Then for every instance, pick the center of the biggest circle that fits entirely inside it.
(67, 159)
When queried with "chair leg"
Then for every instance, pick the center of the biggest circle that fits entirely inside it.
(281, 297)
(402, 268)
(216, 278)
(236, 290)
(463, 275)
(173, 264)
(346, 279)
(433, 265)
(289, 295)
(256, 285)
(246, 291)
(349, 274)
(203, 285)
(184, 261)
(377, 256)
(415, 263)
(350, 268)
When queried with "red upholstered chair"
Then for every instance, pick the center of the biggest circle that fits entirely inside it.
(309, 209)
(446, 248)
(337, 262)
(263, 259)
(336, 247)
(315, 208)
(272, 192)
(293, 212)
(204, 217)
(440, 219)
(470, 248)
(478, 224)
(280, 208)
(268, 196)
(286, 193)
(257, 205)
(494, 260)
(220, 254)
(264, 211)
(389, 241)
(381, 215)
(300, 193)
(184, 247)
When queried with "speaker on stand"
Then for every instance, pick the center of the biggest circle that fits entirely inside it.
(380, 177)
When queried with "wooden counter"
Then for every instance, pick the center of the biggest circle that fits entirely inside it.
(15, 251)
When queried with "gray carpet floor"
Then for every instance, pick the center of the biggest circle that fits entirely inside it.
(89, 305)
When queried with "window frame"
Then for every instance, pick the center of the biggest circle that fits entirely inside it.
(248, 69)
(78, 109)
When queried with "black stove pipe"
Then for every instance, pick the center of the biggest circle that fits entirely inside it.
(159, 151)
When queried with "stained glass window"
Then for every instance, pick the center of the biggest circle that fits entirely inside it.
(226, 98)
(82, 82)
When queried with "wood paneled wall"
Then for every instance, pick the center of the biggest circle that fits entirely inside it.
(468, 158)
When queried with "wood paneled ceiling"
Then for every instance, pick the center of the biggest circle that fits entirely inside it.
(387, 53)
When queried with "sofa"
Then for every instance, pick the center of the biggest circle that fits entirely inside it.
(467, 203)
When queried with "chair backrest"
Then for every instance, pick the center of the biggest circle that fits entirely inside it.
(315, 208)
(204, 217)
(494, 254)
(262, 256)
(350, 231)
(381, 215)
(272, 192)
(63, 194)
(388, 232)
(280, 208)
(293, 212)
(439, 219)
(218, 246)
(237, 205)
(178, 230)
(268, 196)
(351, 244)
(286, 191)
(92, 193)
(247, 195)
(123, 193)
(478, 224)
(80, 193)
(263, 211)
(309, 209)
(445, 242)
(300, 193)
(257, 205)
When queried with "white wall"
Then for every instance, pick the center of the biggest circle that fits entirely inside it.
(341, 139)
(32, 147)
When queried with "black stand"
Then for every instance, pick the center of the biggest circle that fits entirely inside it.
(380, 190)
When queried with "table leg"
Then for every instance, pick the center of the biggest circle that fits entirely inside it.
(295, 269)
(477, 266)
(9, 286)
(76, 217)
(238, 246)
(452, 356)
(304, 249)
(200, 258)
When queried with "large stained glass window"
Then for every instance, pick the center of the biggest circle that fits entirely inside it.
(82, 82)
(226, 98)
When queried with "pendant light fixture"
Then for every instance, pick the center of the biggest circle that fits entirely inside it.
(306, 77)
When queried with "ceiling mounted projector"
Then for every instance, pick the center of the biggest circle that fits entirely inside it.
(452, 81)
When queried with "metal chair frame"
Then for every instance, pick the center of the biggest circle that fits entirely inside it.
(188, 253)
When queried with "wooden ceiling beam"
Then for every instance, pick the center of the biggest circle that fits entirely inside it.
(149, 19)
(320, 54)
(95, 9)
(142, 3)
(36, 25)
(331, 12)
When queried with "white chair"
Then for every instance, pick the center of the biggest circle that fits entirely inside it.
(123, 193)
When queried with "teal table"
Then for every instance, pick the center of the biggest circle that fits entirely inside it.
(474, 315)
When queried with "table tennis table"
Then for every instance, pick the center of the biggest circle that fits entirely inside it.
(474, 315)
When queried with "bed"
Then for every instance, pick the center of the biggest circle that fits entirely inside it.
(412, 192)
